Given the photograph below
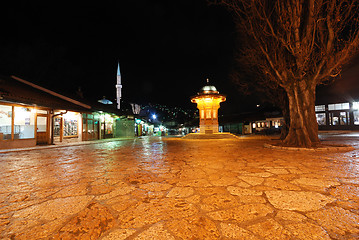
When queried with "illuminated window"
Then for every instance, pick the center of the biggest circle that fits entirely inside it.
(321, 119)
(356, 117)
(70, 124)
(344, 118)
(338, 106)
(41, 111)
(24, 123)
(202, 114)
(320, 108)
(5, 122)
(208, 114)
(70, 127)
(214, 114)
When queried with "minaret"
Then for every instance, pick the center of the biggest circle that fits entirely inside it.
(118, 87)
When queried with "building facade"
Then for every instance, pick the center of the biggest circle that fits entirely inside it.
(31, 115)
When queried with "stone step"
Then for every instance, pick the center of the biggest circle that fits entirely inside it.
(210, 136)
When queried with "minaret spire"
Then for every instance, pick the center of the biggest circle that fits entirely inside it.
(118, 86)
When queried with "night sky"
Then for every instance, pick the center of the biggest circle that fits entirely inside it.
(166, 49)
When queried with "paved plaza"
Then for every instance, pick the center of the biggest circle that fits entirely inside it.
(171, 188)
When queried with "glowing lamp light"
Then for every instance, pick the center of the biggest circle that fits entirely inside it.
(154, 116)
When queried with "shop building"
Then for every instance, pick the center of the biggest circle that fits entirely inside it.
(32, 115)
(338, 116)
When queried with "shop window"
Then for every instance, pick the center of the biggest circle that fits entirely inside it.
(70, 127)
(57, 126)
(321, 120)
(24, 123)
(109, 127)
(214, 114)
(344, 118)
(338, 106)
(5, 122)
(70, 121)
(356, 117)
(320, 108)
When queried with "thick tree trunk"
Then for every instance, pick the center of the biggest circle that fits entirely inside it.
(285, 128)
(303, 130)
(285, 112)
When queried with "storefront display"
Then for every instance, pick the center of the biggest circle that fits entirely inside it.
(5, 122)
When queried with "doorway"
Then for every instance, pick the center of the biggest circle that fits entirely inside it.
(42, 130)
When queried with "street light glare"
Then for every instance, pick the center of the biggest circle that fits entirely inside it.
(154, 116)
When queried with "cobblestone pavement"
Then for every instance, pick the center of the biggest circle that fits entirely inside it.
(170, 188)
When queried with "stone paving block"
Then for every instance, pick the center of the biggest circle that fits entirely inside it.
(195, 183)
(225, 181)
(271, 230)
(251, 199)
(280, 184)
(121, 203)
(290, 216)
(346, 192)
(155, 232)
(154, 211)
(233, 231)
(308, 231)
(206, 191)
(54, 209)
(252, 180)
(195, 227)
(242, 213)
(121, 189)
(40, 231)
(299, 201)
(243, 192)
(181, 192)
(72, 190)
(90, 223)
(218, 201)
(336, 221)
(324, 183)
(155, 186)
(119, 234)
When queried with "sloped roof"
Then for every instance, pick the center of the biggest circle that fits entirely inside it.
(16, 90)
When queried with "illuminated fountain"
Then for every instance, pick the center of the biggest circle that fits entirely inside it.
(208, 101)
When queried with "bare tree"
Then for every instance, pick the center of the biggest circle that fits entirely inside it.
(251, 81)
(297, 45)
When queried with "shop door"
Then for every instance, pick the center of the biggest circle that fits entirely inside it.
(41, 133)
